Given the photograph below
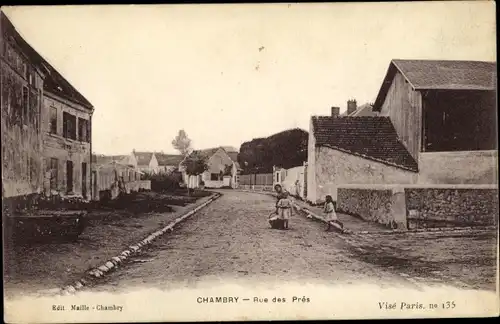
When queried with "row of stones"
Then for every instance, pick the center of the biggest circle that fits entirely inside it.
(132, 249)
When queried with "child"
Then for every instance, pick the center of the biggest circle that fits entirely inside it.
(331, 216)
(285, 207)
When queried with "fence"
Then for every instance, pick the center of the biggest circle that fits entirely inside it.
(263, 179)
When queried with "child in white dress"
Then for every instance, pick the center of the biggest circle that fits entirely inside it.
(331, 215)
(285, 207)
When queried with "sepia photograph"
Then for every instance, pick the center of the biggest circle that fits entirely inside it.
(241, 162)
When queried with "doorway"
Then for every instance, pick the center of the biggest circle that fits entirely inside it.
(84, 180)
(69, 177)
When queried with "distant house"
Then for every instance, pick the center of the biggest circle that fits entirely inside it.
(168, 162)
(436, 125)
(223, 169)
(353, 110)
(146, 162)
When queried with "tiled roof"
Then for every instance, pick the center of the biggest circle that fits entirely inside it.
(54, 81)
(207, 152)
(440, 75)
(143, 158)
(373, 138)
(168, 159)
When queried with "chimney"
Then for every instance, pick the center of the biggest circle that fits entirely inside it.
(351, 106)
(335, 111)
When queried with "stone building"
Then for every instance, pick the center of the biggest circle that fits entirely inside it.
(436, 126)
(21, 83)
(46, 124)
(67, 138)
(429, 159)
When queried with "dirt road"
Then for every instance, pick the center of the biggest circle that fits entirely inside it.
(231, 239)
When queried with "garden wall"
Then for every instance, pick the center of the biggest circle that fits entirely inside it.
(414, 206)
(379, 205)
(451, 207)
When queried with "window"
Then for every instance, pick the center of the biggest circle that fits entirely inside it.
(214, 176)
(53, 120)
(54, 170)
(83, 127)
(34, 112)
(25, 104)
(69, 126)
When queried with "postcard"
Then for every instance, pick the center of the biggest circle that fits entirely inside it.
(237, 162)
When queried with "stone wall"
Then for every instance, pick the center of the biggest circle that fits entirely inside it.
(20, 123)
(374, 205)
(451, 207)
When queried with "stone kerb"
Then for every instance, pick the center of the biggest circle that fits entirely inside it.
(133, 249)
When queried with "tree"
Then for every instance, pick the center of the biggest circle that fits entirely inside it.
(195, 164)
(285, 149)
(182, 143)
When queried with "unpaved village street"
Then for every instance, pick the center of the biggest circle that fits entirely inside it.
(231, 239)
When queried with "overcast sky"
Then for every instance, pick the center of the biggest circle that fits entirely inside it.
(230, 73)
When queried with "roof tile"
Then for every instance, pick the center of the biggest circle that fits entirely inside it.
(372, 138)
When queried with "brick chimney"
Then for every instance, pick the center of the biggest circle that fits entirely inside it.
(352, 105)
(335, 111)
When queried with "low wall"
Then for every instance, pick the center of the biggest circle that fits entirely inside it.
(415, 206)
(375, 205)
(451, 207)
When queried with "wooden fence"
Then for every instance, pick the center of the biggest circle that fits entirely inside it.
(263, 179)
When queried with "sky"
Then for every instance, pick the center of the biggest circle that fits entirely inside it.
(229, 73)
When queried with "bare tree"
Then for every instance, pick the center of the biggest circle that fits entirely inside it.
(182, 143)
